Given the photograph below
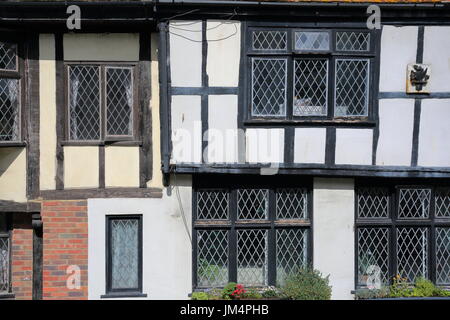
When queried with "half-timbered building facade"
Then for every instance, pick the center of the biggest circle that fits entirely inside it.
(168, 147)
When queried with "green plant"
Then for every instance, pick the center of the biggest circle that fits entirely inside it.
(252, 293)
(306, 284)
(422, 287)
(362, 294)
(215, 294)
(199, 296)
(400, 287)
(270, 292)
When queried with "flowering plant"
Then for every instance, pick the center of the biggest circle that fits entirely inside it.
(238, 292)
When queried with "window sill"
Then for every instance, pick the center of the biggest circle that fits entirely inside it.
(312, 123)
(9, 144)
(123, 295)
(130, 143)
(7, 296)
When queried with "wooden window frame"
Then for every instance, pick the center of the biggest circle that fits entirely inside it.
(135, 137)
(233, 224)
(7, 234)
(393, 222)
(290, 54)
(129, 292)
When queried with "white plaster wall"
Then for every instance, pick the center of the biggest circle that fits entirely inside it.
(222, 129)
(265, 145)
(186, 129)
(309, 145)
(398, 48)
(47, 112)
(167, 259)
(436, 52)
(122, 166)
(185, 40)
(434, 133)
(224, 46)
(101, 46)
(354, 146)
(81, 167)
(396, 130)
(13, 171)
(333, 234)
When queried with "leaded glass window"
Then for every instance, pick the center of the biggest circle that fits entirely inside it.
(5, 255)
(402, 230)
(297, 73)
(101, 101)
(124, 254)
(253, 234)
(9, 93)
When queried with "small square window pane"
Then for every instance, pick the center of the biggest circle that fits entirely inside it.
(352, 41)
(310, 87)
(212, 205)
(125, 253)
(119, 101)
(4, 264)
(268, 40)
(414, 203)
(373, 202)
(442, 202)
(9, 109)
(253, 204)
(252, 259)
(269, 87)
(84, 103)
(8, 56)
(352, 87)
(311, 41)
(292, 204)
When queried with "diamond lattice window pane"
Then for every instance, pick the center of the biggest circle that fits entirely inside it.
(310, 87)
(373, 256)
(84, 102)
(119, 101)
(443, 256)
(311, 41)
(269, 40)
(125, 253)
(352, 41)
(268, 87)
(9, 109)
(442, 202)
(212, 205)
(253, 203)
(292, 250)
(414, 203)
(412, 253)
(212, 258)
(4, 264)
(8, 56)
(292, 204)
(252, 258)
(352, 87)
(373, 202)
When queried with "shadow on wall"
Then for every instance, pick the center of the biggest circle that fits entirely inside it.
(7, 158)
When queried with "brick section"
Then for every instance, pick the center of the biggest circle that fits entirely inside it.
(22, 257)
(65, 244)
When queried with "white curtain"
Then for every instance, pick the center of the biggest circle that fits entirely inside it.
(13, 86)
(129, 93)
(74, 85)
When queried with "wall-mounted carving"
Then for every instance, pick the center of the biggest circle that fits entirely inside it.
(418, 78)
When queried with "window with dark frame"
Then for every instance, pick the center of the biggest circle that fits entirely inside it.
(255, 235)
(5, 255)
(101, 102)
(403, 230)
(10, 79)
(124, 255)
(300, 74)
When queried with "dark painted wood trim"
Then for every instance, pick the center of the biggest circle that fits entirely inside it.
(208, 90)
(37, 256)
(32, 118)
(70, 194)
(319, 170)
(420, 40)
(12, 206)
(330, 147)
(374, 99)
(403, 95)
(289, 142)
(146, 151)
(101, 167)
(60, 110)
(416, 128)
(204, 98)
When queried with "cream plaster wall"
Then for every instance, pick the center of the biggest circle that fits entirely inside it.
(122, 167)
(13, 174)
(81, 167)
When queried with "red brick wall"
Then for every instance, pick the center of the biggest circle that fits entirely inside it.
(65, 244)
(22, 256)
